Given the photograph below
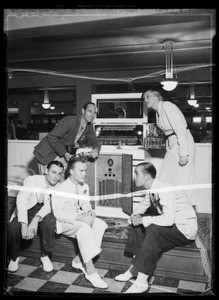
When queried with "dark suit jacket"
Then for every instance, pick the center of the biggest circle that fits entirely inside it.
(61, 137)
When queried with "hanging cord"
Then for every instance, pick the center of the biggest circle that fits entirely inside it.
(129, 80)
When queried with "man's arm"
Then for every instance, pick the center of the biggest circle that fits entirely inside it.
(85, 203)
(33, 226)
(45, 210)
(62, 215)
(167, 200)
(23, 199)
(59, 131)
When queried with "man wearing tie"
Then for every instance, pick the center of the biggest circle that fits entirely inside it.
(76, 219)
(67, 136)
(172, 222)
(33, 209)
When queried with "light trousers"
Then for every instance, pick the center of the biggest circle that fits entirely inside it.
(89, 238)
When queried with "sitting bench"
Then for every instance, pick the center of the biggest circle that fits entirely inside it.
(181, 262)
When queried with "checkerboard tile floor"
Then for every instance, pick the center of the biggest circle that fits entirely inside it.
(30, 279)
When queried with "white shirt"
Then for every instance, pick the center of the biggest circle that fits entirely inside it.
(176, 209)
(67, 209)
(27, 200)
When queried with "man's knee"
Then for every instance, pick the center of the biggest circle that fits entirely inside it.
(48, 221)
(152, 229)
(14, 226)
(84, 230)
(100, 223)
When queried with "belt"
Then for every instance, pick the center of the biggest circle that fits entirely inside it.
(167, 136)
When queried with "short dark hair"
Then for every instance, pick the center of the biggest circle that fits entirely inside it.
(55, 162)
(86, 105)
(73, 160)
(148, 168)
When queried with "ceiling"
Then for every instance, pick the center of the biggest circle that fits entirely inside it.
(122, 41)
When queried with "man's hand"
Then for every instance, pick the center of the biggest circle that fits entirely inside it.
(24, 228)
(67, 156)
(136, 220)
(183, 160)
(86, 218)
(32, 228)
(94, 153)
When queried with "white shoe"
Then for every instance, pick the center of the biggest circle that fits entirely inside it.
(78, 266)
(96, 281)
(13, 265)
(47, 265)
(125, 276)
(137, 288)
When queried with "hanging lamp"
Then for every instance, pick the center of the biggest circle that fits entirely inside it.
(192, 101)
(169, 82)
(46, 103)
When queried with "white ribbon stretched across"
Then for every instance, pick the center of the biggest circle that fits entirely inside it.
(109, 196)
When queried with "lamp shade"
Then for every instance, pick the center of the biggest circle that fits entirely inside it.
(169, 84)
(192, 102)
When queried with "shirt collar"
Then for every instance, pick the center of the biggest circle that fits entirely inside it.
(83, 122)
(154, 184)
(159, 107)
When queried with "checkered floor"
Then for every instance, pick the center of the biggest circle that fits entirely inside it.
(30, 279)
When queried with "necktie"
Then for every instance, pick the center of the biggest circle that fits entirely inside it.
(43, 195)
(155, 200)
(77, 193)
(79, 134)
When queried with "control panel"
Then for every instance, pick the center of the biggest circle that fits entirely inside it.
(120, 134)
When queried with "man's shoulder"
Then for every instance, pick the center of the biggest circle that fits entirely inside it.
(62, 185)
(69, 118)
(34, 179)
(167, 104)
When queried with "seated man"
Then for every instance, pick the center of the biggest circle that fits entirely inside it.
(174, 225)
(76, 219)
(33, 208)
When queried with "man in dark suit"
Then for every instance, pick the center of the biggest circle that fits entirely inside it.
(67, 136)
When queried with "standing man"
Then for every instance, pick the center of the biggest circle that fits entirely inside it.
(67, 136)
(175, 224)
(33, 209)
(76, 219)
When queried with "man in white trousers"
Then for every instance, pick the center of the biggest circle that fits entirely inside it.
(76, 219)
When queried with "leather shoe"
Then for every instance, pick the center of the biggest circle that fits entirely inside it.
(137, 288)
(47, 265)
(78, 266)
(124, 277)
(13, 265)
(96, 281)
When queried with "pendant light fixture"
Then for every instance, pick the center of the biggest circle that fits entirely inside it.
(192, 101)
(169, 82)
(46, 103)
